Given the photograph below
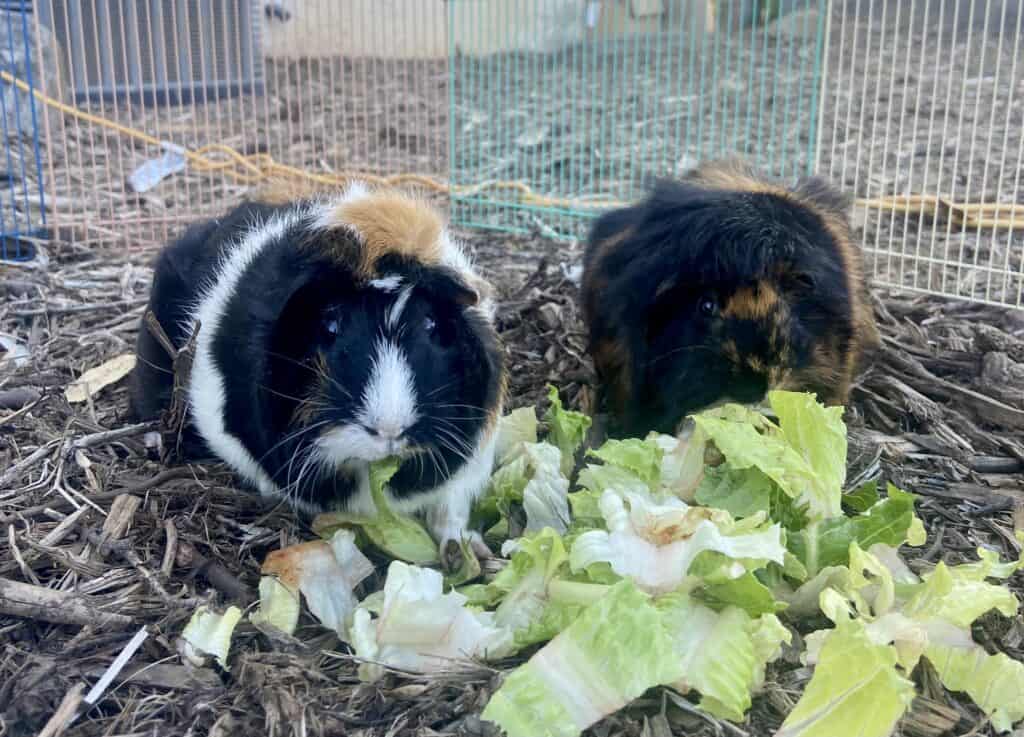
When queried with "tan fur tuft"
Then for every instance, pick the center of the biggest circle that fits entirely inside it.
(391, 222)
(735, 175)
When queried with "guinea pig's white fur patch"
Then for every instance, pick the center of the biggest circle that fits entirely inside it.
(206, 385)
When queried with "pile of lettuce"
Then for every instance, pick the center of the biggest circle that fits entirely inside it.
(687, 563)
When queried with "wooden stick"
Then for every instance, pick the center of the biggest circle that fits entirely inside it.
(67, 709)
(59, 607)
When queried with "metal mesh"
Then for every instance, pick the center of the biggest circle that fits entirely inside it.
(927, 97)
(582, 100)
(22, 198)
(590, 106)
(318, 84)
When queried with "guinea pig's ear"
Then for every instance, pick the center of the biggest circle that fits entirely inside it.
(819, 192)
(448, 284)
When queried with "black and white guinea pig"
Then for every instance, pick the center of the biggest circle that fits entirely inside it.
(333, 332)
(720, 287)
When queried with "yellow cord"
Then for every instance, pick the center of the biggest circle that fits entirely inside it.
(258, 168)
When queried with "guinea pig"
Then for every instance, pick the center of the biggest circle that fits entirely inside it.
(719, 287)
(331, 332)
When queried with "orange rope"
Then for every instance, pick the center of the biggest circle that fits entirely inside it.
(258, 168)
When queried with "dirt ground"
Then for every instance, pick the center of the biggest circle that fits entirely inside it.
(83, 509)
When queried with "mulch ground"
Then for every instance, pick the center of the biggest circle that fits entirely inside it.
(122, 542)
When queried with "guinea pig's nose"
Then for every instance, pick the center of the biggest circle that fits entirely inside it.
(388, 431)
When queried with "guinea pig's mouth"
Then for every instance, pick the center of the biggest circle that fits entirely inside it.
(347, 443)
(686, 425)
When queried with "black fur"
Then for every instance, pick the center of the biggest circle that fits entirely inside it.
(687, 246)
(273, 334)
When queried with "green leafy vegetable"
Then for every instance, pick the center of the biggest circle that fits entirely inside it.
(654, 543)
(566, 430)
(422, 629)
(616, 649)
(641, 458)
(718, 652)
(527, 606)
(399, 536)
(856, 689)
(209, 634)
(827, 543)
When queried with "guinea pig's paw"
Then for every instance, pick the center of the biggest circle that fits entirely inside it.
(451, 549)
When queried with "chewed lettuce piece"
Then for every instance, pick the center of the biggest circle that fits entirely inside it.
(397, 535)
(654, 543)
(741, 493)
(856, 689)
(545, 496)
(615, 650)
(326, 574)
(818, 433)
(208, 634)
(279, 606)
(805, 455)
(641, 458)
(566, 429)
(534, 481)
(517, 428)
(724, 653)
(744, 591)
(527, 606)
(421, 629)
(826, 543)
(994, 682)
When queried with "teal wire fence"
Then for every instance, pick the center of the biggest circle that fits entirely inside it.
(590, 106)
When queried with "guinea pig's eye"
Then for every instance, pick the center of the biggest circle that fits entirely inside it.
(708, 306)
(430, 325)
(331, 323)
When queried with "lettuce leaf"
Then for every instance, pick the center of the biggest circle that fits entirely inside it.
(421, 629)
(654, 543)
(209, 634)
(326, 574)
(527, 607)
(856, 689)
(566, 429)
(994, 682)
(805, 455)
(515, 429)
(826, 543)
(718, 652)
(397, 535)
(616, 649)
(641, 458)
(741, 493)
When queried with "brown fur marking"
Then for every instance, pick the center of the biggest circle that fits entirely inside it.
(611, 359)
(753, 303)
(316, 395)
(393, 223)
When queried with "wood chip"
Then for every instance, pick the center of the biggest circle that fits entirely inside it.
(95, 379)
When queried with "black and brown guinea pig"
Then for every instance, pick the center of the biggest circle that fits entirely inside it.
(333, 331)
(719, 287)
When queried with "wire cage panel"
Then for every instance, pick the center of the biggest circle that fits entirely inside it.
(120, 48)
(371, 99)
(924, 122)
(587, 102)
(22, 195)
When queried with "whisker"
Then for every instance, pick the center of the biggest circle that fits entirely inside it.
(681, 349)
(292, 436)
